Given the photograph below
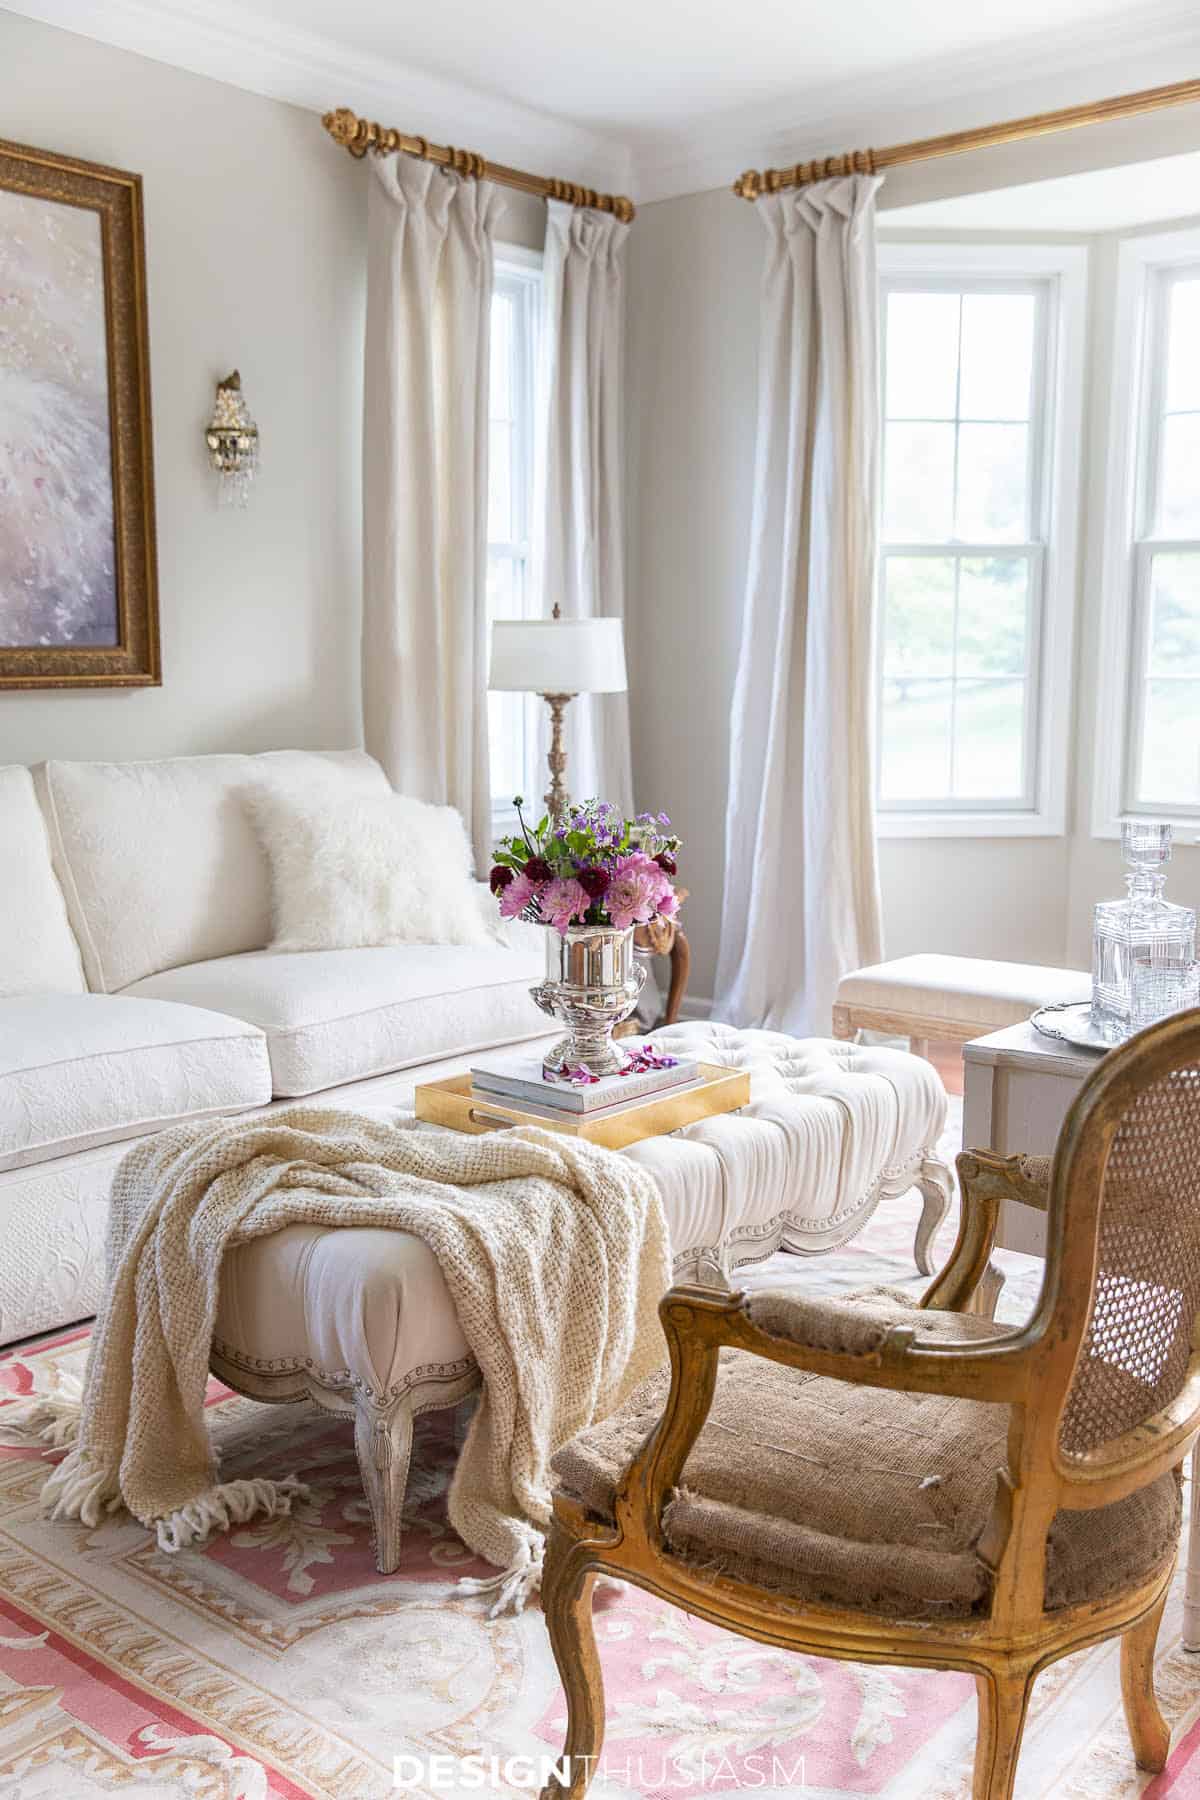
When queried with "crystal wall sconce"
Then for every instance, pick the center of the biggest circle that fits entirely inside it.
(232, 439)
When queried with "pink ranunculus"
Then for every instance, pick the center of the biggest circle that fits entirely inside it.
(517, 896)
(563, 901)
(668, 903)
(632, 893)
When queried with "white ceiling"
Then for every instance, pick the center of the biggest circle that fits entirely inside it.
(639, 69)
(664, 96)
(1094, 200)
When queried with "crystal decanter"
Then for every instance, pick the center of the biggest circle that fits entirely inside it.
(1141, 928)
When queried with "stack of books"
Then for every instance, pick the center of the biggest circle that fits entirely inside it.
(518, 1077)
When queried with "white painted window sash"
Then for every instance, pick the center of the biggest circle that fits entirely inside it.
(1146, 268)
(518, 273)
(1058, 275)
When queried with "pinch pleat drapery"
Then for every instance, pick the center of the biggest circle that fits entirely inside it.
(578, 521)
(801, 895)
(425, 441)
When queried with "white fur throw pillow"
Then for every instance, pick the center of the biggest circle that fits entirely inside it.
(371, 869)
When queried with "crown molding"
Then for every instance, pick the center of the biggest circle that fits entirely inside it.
(1160, 45)
(314, 72)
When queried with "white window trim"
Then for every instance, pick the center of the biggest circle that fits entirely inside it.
(522, 267)
(1051, 660)
(1116, 717)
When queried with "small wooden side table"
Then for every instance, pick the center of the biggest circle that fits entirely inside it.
(1017, 1089)
(666, 937)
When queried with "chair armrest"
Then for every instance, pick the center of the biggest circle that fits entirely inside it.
(1025, 1179)
(970, 1281)
(865, 1344)
(878, 1343)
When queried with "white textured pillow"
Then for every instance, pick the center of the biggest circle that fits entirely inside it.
(356, 870)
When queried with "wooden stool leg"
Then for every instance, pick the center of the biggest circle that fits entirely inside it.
(1149, 1732)
(681, 962)
(1191, 1598)
(567, 1605)
(1003, 1703)
(383, 1443)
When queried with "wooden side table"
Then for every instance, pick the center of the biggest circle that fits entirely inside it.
(666, 937)
(1017, 1089)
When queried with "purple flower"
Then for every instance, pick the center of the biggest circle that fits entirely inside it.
(562, 901)
(538, 869)
(517, 896)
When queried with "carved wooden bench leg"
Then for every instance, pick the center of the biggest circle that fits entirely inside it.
(383, 1443)
(936, 1184)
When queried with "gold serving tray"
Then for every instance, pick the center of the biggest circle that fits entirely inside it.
(455, 1103)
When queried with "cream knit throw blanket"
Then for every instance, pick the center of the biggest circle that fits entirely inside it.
(555, 1253)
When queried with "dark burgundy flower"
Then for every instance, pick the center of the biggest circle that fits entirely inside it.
(500, 877)
(666, 862)
(594, 882)
(538, 869)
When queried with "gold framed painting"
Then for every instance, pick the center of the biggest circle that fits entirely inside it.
(78, 593)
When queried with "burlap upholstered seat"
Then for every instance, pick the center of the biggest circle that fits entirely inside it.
(851, 1496)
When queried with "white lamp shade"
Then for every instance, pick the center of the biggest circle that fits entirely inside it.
(558, 656)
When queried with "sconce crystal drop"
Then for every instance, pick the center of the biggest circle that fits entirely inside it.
(232, 439)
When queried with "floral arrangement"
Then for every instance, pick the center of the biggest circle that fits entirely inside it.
(596, 868)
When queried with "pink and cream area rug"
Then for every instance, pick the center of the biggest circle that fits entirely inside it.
(276, 1663)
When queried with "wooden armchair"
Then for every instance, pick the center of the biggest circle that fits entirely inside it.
(855, 1479)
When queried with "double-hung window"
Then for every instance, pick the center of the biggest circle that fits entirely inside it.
(512, 718)
(1148, 759)
(981, 398)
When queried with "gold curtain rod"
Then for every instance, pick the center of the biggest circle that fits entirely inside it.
(868, 162)
(360, 135)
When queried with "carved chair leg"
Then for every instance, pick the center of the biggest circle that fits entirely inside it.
(986, 1297)
(1003, 1703)
(567, 1604)
(383, 1443)
(937, 1190)
(1191, 1596)
(1149, 1732)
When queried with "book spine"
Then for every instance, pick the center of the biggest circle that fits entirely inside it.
(584, 1100)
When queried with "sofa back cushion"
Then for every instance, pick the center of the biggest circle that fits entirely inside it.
(38, 954)
(159, 861)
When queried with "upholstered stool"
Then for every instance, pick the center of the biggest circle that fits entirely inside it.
(361, 1321)
(956, 998)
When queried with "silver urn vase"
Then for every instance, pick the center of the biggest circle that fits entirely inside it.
(592, 983)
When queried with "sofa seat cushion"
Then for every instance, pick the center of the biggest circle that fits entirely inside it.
(969, 989)
(77, 1070)
(332, 1016)
(843, 1495)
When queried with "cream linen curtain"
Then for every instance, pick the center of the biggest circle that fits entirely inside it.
(424, 644)
(801, 902)
(579, 552)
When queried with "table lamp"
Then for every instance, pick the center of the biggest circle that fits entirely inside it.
(557, 658)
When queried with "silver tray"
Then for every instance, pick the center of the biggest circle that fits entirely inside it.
(1070, 1021)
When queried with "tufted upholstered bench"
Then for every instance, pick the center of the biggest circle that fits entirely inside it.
(955, 998)
(361, 1321)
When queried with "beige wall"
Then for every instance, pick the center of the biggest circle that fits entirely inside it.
(694, 279)
(255, 259)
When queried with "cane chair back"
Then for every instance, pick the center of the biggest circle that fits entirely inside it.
(1138, 1341)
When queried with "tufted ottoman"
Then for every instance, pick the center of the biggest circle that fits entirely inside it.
(361, 1321)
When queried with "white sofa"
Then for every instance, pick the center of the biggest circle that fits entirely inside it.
(135, 992)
